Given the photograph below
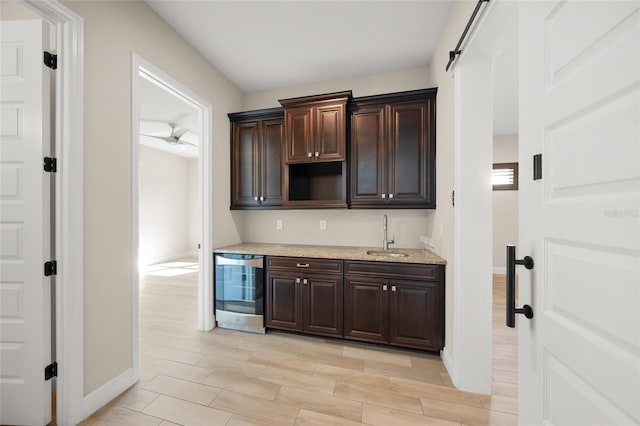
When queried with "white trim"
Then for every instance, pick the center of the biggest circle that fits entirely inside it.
(107, 392)
(500, 270)
(448, 364)
(167, 258)
(69, 208)
(141, 67)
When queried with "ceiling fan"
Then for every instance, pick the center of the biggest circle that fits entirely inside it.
(175, 138)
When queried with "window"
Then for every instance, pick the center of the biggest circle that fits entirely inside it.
(505, 177)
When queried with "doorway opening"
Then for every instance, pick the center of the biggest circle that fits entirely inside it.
(171, 187)
(505, 177)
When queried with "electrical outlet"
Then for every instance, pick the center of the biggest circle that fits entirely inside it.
(279, 224)
(323, 225)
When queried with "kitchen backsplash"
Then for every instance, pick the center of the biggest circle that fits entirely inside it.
(343, 227)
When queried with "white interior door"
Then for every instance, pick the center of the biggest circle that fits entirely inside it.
(580, 108)
(25, 296)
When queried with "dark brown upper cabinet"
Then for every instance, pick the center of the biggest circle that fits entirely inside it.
(315, 127)
(393, 150)
(257, 166)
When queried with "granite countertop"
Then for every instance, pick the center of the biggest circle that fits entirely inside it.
(333, 252)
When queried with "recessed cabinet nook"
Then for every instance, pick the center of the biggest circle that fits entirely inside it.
(335, 151)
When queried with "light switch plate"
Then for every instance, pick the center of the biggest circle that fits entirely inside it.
(323, 225)
(279, 224)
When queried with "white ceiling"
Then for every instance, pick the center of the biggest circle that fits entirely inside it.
(262, 45)
(158, 108)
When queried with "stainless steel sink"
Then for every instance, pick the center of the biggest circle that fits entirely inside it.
(386, 253)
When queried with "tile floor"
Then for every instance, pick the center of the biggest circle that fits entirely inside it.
(224, 377)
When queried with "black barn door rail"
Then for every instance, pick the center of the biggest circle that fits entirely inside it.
(455, 52)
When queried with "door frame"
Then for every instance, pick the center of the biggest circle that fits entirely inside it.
(68, 225)
(470, 367)
(143, 68)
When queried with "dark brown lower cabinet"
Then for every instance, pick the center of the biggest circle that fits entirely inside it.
(379, 302)
(301, 297)
(367, 310)
(395, 304)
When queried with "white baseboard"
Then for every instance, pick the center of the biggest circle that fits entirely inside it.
(169, 258)
(448, 364)
(107, 392)
(501, 270)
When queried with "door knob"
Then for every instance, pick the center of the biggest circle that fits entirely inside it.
(526, 310)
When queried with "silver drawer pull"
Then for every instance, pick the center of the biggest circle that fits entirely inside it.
(393, 288)
(297, 280)
(302, 265)
(317, 154)
(309, 154)
(261, 198)
(390, 195)
(305, 281)
(255, 198)
(384, 195)
(384, 287)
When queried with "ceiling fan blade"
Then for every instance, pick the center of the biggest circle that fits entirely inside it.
(183, 142)
(169, 139)
(178, 133)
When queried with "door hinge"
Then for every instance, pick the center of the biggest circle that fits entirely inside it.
(50, 164)
(51, 60)
(537, 167)
(453, 198)
(51, 370)
(50, 268)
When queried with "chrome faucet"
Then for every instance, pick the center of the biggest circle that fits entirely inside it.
(385, 241)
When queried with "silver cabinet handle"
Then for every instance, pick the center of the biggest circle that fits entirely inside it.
(309, 155)
(297, 280)
(255, 198)
(393, 288)
(317, 154)
(261, 198)
(384, 195)
(305, 281)
(302, 265)
(390, 195)
(384, 287)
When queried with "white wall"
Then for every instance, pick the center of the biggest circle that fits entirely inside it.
(344, 227)
(445, 135)
(505, 204)
(194, 207)
(164, 206)
(113, 30)
(365, 85)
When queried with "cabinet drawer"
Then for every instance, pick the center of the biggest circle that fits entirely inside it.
(305, 264)
(387, 269)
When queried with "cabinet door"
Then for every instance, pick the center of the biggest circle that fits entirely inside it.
(283, 301)
(366, 310)
(272, 185)
(322, 301)
(416, 314)
(368, 156)
(298, 134)
(245, 164)
(408, 151)
(329, 141)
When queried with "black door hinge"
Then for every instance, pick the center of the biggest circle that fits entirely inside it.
(50, 164)
(453, 198)
(50, 268)
(537, 167)
(51, 370)
(51, 60)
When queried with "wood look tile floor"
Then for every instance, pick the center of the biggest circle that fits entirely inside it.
(225, 377)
